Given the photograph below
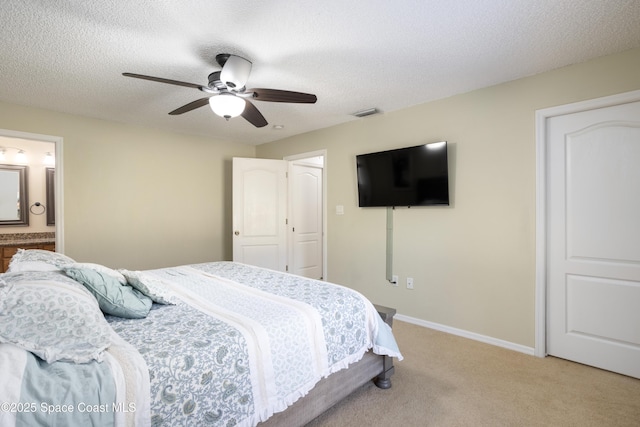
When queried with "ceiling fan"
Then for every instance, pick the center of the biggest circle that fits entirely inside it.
(227, 93)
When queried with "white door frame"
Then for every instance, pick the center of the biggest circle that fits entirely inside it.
(542, 117)
(322, 153)
(58, 187)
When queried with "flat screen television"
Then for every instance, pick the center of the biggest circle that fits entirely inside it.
(411, 176)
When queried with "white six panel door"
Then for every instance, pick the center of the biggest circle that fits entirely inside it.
(593, 310)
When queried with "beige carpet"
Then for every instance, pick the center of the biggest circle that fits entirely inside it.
(446, 380)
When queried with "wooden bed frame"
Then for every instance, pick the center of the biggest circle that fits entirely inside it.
(339, 385)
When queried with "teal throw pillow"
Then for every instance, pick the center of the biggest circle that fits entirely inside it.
(113, 297)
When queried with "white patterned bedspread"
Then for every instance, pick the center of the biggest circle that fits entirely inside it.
(246, 342)
(114, 392)
(36, 393)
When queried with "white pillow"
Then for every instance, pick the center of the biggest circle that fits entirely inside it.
(100, 269)
(37, 260)
(150, 286)
(54, 319)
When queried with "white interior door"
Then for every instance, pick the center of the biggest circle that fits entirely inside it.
(306, 220)
(593, 235)
(259, 212)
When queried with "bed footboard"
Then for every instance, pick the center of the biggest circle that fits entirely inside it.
(339, 385)
(328, 392)
(384, 379)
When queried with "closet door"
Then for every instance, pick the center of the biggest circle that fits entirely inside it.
(593, 236)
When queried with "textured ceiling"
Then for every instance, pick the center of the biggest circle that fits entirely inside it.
(69, 55)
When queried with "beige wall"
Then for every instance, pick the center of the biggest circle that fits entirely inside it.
(472, 263)
(134, 197)
(142, 198)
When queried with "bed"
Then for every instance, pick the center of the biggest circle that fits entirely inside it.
(220, 343)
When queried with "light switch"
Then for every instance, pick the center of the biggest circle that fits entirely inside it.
(339, 210)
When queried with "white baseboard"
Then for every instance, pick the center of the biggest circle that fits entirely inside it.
(466, 334)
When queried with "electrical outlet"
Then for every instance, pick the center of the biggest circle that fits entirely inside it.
(394, 280)
(409, 282)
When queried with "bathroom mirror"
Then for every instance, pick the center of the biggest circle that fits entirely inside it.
(13, 195)
(51, 195)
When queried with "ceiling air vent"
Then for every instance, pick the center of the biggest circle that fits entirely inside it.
(367, 112)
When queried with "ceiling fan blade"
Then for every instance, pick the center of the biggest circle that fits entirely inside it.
(253, 116)
(190, 106)
(276, 95)
(161, 80)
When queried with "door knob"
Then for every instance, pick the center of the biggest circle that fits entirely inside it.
(237, 233)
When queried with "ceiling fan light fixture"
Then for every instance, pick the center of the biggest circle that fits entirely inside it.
(226, 92)
(227, 105)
